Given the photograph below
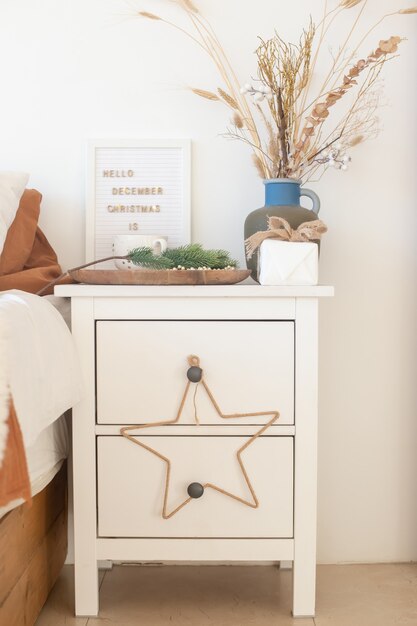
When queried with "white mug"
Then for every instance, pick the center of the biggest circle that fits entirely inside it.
(123, 244)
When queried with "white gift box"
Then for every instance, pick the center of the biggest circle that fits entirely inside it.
(288, 263)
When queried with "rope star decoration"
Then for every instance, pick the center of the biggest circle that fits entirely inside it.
(195, 377)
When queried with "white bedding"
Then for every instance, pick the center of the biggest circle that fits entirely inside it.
(44, 457)
(38, 364)
(63, 305)
(39, 367)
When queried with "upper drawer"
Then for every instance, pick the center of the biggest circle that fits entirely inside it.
(142, 370)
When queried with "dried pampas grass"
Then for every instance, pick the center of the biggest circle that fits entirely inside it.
(349, 4)
(227, 98)
(150, 16)
(258, 165)
(190, 6)
(237, 121)
(408, 11)
(208, 95)
(355, 141)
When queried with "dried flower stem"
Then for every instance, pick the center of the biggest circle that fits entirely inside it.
(357, 47)
(289, 137)
(218, 55)
(321, 110)
(322, 90)
(323, 31)
(343, 47)
(282, 133)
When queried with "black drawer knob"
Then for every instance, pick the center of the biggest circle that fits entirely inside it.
(194, 374)
(195, 490)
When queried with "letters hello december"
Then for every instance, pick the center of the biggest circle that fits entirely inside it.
(131, 191)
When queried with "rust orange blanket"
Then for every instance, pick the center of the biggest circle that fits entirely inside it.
(14, 478)
(27, 262)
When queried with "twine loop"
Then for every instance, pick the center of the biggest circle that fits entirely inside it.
(193, 360)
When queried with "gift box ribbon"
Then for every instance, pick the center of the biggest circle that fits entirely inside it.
(278, 228)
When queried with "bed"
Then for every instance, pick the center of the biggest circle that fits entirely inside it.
(33, 539)
(39, 383)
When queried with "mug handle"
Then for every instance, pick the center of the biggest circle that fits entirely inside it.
(308, 193)
(162, 243)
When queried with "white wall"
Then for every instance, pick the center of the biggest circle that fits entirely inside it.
(80, 69)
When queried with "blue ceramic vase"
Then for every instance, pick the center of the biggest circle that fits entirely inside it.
(282, 199)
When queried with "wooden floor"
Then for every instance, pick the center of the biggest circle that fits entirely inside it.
(348, 595)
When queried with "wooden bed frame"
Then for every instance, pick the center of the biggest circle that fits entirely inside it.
(33, 548)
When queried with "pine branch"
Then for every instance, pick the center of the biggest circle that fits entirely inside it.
(192, 256)
(146, 258)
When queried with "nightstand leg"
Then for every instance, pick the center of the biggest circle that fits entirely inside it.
(86, 566)
(304, 587)
(86, 589)
(84, 465)
(305, 459)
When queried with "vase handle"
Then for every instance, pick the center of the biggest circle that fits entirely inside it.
(308, 193)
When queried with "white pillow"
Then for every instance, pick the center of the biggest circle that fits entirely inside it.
(12, 186)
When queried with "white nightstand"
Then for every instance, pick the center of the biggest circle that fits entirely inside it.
(258, 350)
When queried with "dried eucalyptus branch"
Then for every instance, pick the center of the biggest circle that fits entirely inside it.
(321, 110)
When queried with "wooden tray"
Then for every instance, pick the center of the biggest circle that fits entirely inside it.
(159, 277)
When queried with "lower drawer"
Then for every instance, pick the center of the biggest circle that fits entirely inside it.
(131, 485)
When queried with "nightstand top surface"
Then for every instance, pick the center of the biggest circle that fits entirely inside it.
(244, 290)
